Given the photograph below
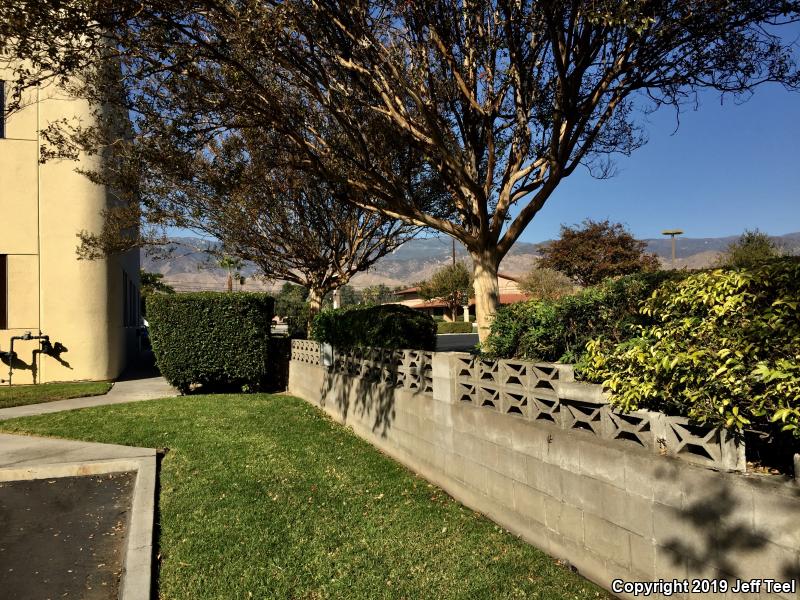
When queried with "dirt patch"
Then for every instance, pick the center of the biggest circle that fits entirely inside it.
(64, 537)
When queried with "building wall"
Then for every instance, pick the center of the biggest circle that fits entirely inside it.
(609, 509)
(78, 303)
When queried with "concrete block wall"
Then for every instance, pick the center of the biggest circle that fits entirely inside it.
(611, 509)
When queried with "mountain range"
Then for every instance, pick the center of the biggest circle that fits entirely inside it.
(190, 267)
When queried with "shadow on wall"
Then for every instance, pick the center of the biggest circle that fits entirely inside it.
(716, 529)
(15, 364)
(370, 394)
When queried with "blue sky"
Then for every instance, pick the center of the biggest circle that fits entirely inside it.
(727, 167)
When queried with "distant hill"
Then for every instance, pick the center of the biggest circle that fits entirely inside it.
(190, 267)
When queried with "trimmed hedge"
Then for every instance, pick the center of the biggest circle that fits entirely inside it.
(391, 326)
(721, 348)
(457, 327)
(215, 339)
(558, 330)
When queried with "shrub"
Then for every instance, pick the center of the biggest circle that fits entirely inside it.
(720, 347)
(546, 284)
(454, 327)
(386, 326)
(558, 330)
(212, 339)
(595, 250)
(751, 248)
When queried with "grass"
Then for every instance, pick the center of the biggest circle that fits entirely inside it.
(19, 395)
(265, 497)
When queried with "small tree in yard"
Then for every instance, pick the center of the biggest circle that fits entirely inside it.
(751, 248)
(546, 284)
(374, 295)
(451, 284)
(597, 250)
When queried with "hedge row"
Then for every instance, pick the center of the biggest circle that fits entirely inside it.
(720, 347)
(454, 327)
(217, 340)
(558, 330)
(385, 326)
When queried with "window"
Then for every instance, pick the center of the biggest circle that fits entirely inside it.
(3, 291)
(130, 302)
(125, 309)
(2, 109)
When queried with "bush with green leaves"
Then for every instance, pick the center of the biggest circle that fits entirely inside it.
(720, 347)
(214, 339)
(385, 326)
(558, 330)
(454, 327)
(752, 247)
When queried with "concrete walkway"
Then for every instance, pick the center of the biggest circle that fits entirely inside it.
(25, 457)
(131, 389)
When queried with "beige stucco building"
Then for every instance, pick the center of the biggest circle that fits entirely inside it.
(88, 308)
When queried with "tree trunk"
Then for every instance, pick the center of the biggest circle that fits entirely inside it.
(314, 305)
(487, 292)
(230, 282)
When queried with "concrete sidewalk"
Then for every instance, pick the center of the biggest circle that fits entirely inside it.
(126, 390)
(25, 457)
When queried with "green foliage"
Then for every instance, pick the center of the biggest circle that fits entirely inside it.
(546, 284)
(376, 294)
(386, 326)
(212, 339)
(595, 251)
(368, 296)
(152, 283)
(290, 304)
(752, 248)
(454, 327)
(348, 296)
(719, 347)
(558, 330)
(451, 284)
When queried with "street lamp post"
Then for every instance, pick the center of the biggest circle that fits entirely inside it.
(672, 233)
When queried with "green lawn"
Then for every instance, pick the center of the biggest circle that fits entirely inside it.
(265, 497)
(18, 395)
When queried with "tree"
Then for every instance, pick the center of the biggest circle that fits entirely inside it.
(233, 266)
(152, 283)
(294, 227)
(546, 284)
(751, 248)
(451, 285)
(376, 294)
(503, 100)
(597, 250)
(348, 296)
(291, 304)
